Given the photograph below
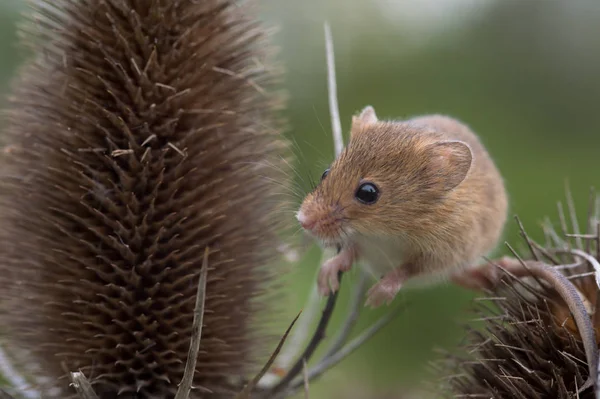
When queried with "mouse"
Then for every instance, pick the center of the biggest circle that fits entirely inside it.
(410, 200)
(421, 199)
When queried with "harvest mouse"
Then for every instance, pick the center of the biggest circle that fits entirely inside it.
(419, 198)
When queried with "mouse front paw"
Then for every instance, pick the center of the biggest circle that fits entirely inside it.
(328, 277)
(383, 292)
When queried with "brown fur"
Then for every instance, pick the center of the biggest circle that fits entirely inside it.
(442, 200)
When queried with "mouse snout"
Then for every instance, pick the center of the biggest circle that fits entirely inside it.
(320, 220)
(305, 221)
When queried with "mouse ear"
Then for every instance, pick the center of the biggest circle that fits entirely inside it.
(366, 117)
(449, 161)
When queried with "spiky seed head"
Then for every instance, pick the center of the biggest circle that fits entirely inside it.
(529, 346)
(141, 133)
(522, 352)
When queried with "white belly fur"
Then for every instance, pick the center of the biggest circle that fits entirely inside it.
(379, 255)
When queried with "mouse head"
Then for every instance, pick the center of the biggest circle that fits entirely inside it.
(390, 180)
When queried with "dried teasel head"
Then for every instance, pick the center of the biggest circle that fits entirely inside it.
(140, 134)
(530, 346)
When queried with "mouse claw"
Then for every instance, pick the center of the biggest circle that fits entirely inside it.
(324, 284)
(328, 277)
(328, 280)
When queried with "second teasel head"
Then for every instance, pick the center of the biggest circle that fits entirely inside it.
(528, 345)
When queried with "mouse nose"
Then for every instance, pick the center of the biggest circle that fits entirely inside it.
(306, 222)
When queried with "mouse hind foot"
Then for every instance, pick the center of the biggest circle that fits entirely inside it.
(386, 289)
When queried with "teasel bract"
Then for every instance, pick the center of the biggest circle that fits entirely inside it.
(140, 133)
(527, 344)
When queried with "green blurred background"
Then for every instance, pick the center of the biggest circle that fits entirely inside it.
(522, 73)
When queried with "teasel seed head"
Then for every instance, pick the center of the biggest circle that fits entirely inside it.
(529, 345)
(141, 133)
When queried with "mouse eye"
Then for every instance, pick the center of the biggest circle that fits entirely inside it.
(367, 193)
(324, 175)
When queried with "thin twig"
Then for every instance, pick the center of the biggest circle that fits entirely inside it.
(346, 350)
(245, 393)
(572, 214)
(552, 237)
(563, 224)
(305, 374)
(336, 126)
(185, 386)
(590, 220)
(355, 308)
(299, 336)
(82, 386)
(316, 339)
(526, 237)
